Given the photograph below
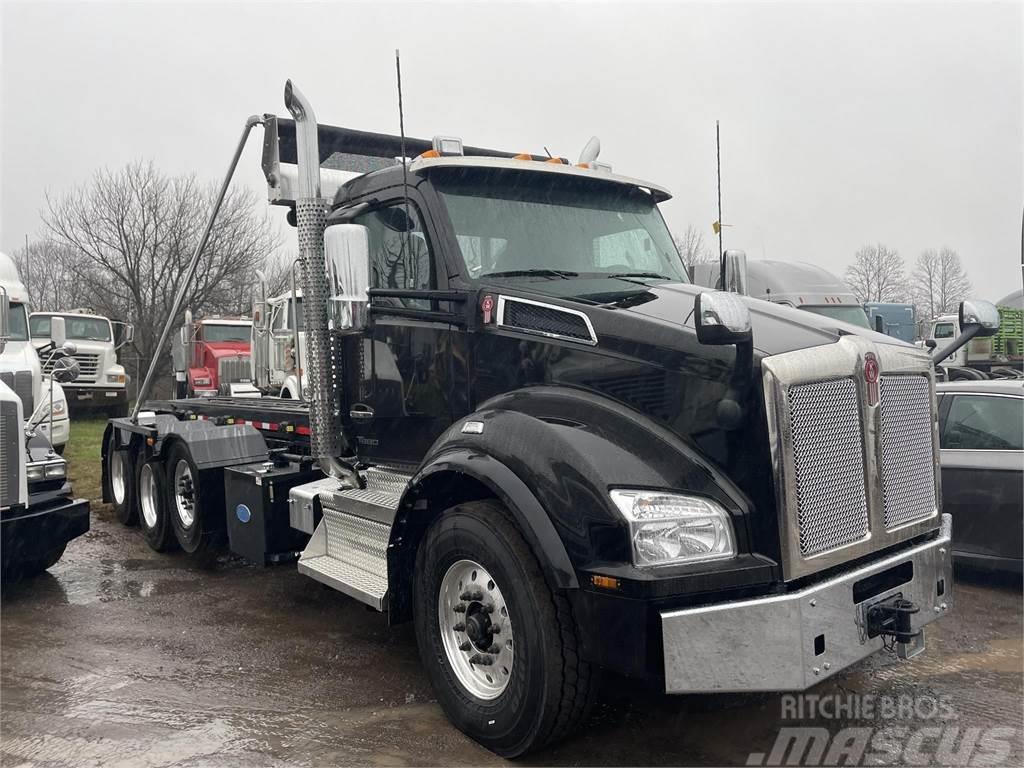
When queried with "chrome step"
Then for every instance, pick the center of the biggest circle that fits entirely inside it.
(348, 550)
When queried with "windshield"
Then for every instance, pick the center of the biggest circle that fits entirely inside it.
(849, 314)
(226, 333)
(18, 330)
(516, 224)
(75, 327)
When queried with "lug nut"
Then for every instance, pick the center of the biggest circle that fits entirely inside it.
(460, 627)
(471, 595)
(465, 646)
(494, 649)
(483, 661)
(460, 608)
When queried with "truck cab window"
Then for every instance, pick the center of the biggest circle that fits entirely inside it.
(943, 331)
(400, 257)
(39, 326)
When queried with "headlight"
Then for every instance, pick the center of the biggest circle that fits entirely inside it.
(115, 378)
(59, 407)
(34, 473)
(56, 470)
(201, 381)
(667, 528)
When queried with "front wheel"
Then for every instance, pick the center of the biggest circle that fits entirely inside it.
(498, 643)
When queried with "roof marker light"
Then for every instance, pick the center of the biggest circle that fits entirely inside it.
(447, 146)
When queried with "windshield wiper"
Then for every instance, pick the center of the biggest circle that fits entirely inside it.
(564, 274)
(653, 275)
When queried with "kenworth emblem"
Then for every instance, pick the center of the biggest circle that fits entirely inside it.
(871, 377)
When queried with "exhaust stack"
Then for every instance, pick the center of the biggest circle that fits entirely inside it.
(327, 441)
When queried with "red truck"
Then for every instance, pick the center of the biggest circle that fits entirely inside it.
(211, 356)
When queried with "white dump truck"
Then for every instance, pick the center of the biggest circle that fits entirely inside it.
(102, 383)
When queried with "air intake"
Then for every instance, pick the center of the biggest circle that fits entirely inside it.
(548, 320)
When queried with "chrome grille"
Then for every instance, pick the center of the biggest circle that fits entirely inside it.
(828, 460)
(88, 365)
(231, 370)
(21, 383)
(907, 467)
(9, 454)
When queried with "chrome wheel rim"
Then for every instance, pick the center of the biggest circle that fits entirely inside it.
(117, 483)
(476, 629)
(184, 493)
(147, 495)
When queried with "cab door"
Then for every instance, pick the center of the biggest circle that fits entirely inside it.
(408, 391)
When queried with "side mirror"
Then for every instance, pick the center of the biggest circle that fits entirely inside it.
(930, 343)
(259, 315)
(347, 248)
(69, 348)
(58, 334)
(65, 370)
(974, 312)
(735, 272)
(721, 318)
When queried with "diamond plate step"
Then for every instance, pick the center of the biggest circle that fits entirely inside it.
(348, 550)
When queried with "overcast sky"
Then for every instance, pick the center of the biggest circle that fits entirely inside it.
(841, 124)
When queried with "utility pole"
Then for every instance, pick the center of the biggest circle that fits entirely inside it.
(721, 248)
(28, 269)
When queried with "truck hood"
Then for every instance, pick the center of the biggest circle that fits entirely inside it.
(219, 349)
(659, 311)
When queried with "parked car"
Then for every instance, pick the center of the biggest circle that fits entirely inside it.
(981, 436)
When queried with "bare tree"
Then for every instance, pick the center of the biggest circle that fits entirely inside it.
(939, 283)
(877, 275)
(692, 248)
(47, 269)
(132, 233)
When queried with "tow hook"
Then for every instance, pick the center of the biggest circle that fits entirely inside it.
(890, 619)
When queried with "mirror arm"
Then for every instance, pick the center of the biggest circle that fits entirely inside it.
(969, 333)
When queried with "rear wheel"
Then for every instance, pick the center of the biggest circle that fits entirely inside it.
(121, 477)
(498, 643)
(153, 517)
(195, 503)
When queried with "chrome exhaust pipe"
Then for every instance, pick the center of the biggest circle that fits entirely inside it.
(328, 443)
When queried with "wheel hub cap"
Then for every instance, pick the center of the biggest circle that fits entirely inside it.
(476, 629)
(184, 493)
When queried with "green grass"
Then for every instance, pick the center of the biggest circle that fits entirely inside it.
(83, 455)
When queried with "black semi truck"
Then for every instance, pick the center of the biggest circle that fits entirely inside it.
(527, 433)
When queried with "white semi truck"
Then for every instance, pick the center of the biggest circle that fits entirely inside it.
(20, 367)
(38, 512)
(102, 384)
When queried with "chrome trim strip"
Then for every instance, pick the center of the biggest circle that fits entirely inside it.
(500, 320)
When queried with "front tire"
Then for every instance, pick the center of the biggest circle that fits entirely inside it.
(154, 519)
(498, 643)
(195, 503)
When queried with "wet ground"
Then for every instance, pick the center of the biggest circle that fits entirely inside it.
(122, 657)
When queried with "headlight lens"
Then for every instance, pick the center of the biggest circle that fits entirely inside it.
(59, 407)
(201, 381)
(34, 473)
(666, 528)
(115, 378)
(56, 470)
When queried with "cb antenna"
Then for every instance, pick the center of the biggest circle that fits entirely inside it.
(405, 164)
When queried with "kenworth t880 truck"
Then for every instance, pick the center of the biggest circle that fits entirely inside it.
(526, 432)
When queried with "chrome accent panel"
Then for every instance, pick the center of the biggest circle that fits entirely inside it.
(785, 373)
(302, 503)
(908, 472)
(828, 464)
(505, 302)
(20, 383)
(768, 644)
(10, 455)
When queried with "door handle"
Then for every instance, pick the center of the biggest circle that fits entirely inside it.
(360, 412)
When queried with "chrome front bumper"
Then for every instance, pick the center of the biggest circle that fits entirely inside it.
(790, 642)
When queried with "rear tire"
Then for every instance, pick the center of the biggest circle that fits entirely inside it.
(516, 703)
(154, 520)
(121, 477)
(195, 502)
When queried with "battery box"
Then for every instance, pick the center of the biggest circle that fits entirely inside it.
(256, 498)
